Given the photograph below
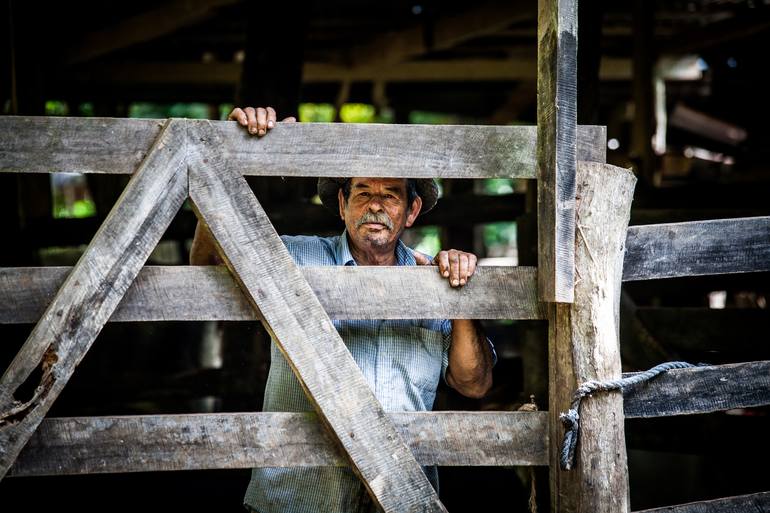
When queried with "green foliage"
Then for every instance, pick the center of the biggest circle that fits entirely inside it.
(495, 186)
(316, 112)
(56, 108)
(419, 117)
(78, 209)
(499, 235)
(173, 110)
(86, 109)
(429, 240)
(357, 113)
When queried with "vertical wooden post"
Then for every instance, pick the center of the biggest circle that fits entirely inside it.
(643, 126)
(556, 147)
(583, 345)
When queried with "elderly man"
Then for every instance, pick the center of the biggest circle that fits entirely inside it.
(402, 360)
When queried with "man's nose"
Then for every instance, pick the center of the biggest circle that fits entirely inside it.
(375, 204)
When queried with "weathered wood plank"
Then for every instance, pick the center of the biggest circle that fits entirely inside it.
(304, 333)
(91, 292)
(189, 293)
(755, 503)
(88, 145)
(244, 440)
(583, 345)
(556, 147)
(697, 248)
(700, 390)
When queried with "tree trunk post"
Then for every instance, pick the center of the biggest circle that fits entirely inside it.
(583, 345)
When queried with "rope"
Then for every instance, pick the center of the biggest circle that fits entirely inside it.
(571, 418)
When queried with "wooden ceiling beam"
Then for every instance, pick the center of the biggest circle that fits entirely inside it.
(399, 46)
(149, 25)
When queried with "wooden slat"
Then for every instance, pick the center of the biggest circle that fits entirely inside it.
(700, 390)
(88, 145)
(754, 503)
(697, 248)
(304, 333)
(186, 293)
(91, 292)
(190, 442)
(556, 147)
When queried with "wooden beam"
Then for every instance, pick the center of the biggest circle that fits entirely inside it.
(192, 74)
(186, 293)
(89, 445)
(756, 502)
(165, 19)
(275, 287)
(446, 32)
(583, 345)
(86, 145)
(700, 390)
(91, 292)
(556, 148)
(697, 248)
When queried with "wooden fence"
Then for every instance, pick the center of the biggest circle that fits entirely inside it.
(173, 160)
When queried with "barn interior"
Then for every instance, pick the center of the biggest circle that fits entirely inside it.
(680, 86)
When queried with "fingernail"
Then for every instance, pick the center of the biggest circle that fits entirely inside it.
(270, 124)
(261, 132)
(252, 130)
(455, 283)
(462, 282)
(446, 274)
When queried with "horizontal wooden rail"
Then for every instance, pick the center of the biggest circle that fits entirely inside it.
(188, 442)
(700, 390)
(719, 246)
(209, 293)
(113, 145)
(755, 502)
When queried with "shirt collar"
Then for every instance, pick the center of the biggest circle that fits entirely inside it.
(343, 256)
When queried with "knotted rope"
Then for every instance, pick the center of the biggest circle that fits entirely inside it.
(571, 417)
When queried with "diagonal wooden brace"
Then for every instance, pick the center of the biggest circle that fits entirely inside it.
(298, 323)
(93, 290)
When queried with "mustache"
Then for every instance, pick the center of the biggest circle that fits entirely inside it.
(379, 218)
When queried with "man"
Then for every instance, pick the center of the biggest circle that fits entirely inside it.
(402, 360)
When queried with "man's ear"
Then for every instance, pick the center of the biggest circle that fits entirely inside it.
(341, 202)
(414, 211)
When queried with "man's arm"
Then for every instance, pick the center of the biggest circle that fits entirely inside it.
(470, 357)
(257, 122)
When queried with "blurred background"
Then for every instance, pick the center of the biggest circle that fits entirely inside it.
(680, 85)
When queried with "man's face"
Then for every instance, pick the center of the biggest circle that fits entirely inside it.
(376, 213)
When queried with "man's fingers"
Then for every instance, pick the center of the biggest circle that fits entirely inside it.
(443, 263)
(420, 258)
(261, 121)
(472, 260)
(270, 118)
(454, 268)
(251, 116)
(238, 115)
(464, 266)
(290, 119)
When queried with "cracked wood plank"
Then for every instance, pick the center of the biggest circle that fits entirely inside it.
(696, 248)
(557, 153)
(187, 293)
(755, 502)
(91, 292)
(304, 333)
(88, 445)
(700, 390)
(87, 145)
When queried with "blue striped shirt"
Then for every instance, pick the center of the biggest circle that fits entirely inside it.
(401, 360)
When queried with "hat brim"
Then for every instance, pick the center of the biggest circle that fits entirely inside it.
(328, 188)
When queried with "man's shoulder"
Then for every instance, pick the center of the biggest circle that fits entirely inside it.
(311, 249)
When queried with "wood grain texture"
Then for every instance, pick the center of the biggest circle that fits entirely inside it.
(754, 503)
(304, 333)
(189, 293)
(697, 248)
(88, 145)
(583, 346)
(556, 147)
(700, 390)
(92, 290)
(90, 445)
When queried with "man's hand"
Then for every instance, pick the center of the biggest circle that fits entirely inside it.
(258, 121)
(457, 266)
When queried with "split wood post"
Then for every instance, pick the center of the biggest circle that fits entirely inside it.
(584, 345)
(556, 147)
